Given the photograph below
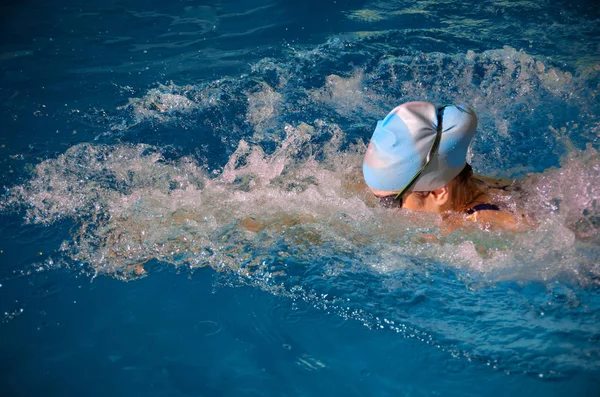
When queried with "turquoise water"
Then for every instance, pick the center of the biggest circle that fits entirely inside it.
(182, 209)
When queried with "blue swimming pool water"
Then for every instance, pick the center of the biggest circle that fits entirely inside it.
(218, 145)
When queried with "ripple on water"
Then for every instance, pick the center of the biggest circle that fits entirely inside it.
(288, 212)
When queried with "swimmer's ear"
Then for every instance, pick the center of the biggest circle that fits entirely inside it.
(440, 196)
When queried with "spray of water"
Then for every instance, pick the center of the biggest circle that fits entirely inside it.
(288, 211)
(132, 205)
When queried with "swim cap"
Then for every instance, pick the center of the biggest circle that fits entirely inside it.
(401, 142)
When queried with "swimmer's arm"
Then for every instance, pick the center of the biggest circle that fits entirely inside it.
(252, 224)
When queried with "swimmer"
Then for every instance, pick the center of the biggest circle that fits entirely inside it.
(416, 160)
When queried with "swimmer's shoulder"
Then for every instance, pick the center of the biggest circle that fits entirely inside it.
(498, 219)
(492, 216)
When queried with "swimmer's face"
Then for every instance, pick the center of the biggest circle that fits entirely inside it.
(436, 201)
(419, 202)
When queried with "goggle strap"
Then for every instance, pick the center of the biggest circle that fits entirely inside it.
(432, 151)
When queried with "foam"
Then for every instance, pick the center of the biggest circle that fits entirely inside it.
(296, 142)
(520, 99)
(132, 205)
(299, 223)
(263, 106)
(161, 104)
(281, 205)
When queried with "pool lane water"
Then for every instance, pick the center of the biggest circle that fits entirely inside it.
(175, 335)
(337, 306)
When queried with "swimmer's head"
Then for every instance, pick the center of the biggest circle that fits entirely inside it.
(402, 141)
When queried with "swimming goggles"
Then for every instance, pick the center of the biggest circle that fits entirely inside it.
(390, 202)
(432, 151)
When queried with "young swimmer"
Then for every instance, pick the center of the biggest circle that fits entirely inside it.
(417, 160)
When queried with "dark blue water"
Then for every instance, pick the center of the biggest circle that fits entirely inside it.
(174, 335)
(148, 133)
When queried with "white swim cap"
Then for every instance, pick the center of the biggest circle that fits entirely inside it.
(401, 142)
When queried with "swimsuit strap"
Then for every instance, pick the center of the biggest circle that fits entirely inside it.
(483, 207)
